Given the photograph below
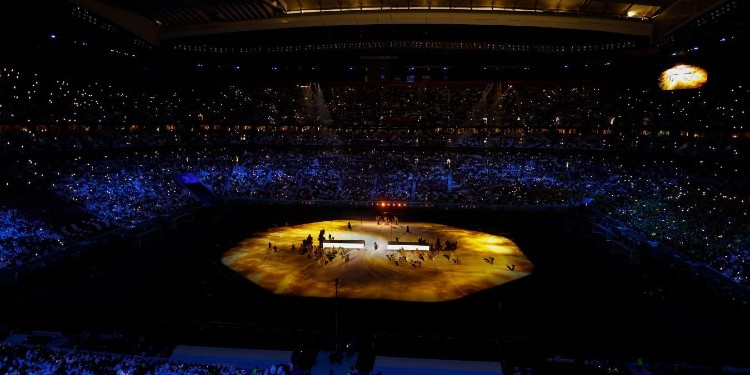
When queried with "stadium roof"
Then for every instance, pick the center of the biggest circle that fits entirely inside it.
(159, 20)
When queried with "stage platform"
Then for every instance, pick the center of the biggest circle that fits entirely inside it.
(420, 246)
(346, 244)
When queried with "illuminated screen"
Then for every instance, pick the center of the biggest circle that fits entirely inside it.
(682, 77)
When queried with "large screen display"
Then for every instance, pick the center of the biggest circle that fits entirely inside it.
(682, 77)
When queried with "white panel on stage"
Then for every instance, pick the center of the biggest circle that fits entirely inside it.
(393, 245)
(346, 244)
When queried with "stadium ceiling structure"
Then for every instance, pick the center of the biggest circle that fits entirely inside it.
(159, 20)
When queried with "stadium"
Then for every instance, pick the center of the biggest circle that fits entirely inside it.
(361, 187)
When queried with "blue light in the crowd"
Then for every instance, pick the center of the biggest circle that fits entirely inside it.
(53, 36)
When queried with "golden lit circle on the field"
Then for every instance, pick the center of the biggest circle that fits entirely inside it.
(479, 261)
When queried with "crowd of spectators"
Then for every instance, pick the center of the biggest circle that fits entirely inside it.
(697, 204)
(23, 238)
(44, 114)
(42, 360)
